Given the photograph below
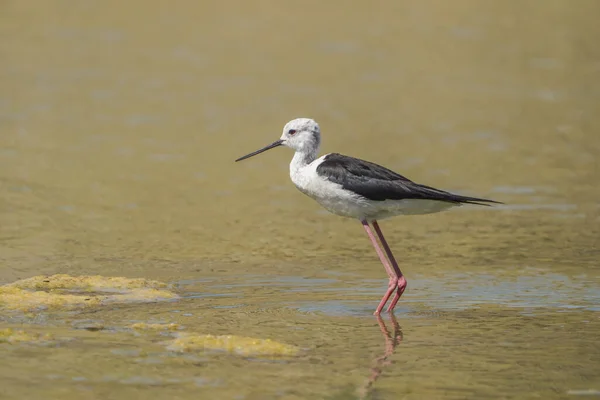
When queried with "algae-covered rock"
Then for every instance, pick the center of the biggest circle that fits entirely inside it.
(19, 299)
(18, 336)
(143, 326)
(85, 283)
(241, 345)
(68, 292)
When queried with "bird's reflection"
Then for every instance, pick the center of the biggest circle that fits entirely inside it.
(391, 341)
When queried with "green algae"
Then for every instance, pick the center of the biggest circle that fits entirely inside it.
(14, 336)
(85, 283)
(153, 327)
(240, 345)
(68, 292)
(13, 298)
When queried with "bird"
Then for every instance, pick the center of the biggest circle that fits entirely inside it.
(362, 190)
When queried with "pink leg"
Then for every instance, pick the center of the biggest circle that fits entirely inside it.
(401, 279)
(390, 271)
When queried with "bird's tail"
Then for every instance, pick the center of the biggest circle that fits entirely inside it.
(475, 200)
(427, 192)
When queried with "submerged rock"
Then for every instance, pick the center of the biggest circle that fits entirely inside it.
(240, 345)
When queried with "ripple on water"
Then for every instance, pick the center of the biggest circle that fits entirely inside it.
(465, 291)
(462, 291)
(523, 189)
(529, 291)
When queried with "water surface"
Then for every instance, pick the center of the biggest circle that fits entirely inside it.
(119, 124)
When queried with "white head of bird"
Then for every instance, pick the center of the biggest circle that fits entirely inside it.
(301, 134)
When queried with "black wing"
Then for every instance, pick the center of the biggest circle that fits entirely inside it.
(377, 183)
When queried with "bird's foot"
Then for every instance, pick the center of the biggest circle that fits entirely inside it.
(401, 284)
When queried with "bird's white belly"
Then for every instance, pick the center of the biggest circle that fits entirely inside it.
(337, 201)
(345, 203)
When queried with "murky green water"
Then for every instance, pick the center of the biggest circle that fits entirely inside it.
(119, 124)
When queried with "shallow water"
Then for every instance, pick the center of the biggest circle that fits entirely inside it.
(119, 125)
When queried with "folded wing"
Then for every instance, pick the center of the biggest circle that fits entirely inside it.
(378, 183)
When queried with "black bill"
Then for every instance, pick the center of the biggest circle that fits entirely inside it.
(269, 147)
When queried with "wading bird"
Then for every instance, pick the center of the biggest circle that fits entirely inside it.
(360, 189)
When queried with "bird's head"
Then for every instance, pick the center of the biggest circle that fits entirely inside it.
(301, 134)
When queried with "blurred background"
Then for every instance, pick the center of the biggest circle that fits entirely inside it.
(119, 124)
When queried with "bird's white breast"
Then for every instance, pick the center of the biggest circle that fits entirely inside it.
(328, 194)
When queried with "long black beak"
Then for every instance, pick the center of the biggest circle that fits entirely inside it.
(269, 147)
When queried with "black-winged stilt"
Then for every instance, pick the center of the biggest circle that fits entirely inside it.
(359, 189)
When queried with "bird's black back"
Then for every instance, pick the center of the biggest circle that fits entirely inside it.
(378, 183)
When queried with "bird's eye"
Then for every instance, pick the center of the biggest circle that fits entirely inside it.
(292, 132)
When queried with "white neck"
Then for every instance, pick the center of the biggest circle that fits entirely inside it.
(302, 159)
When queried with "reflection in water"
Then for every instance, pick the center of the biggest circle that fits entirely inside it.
(391, 341)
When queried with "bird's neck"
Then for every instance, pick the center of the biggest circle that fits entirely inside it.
(302, 159)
